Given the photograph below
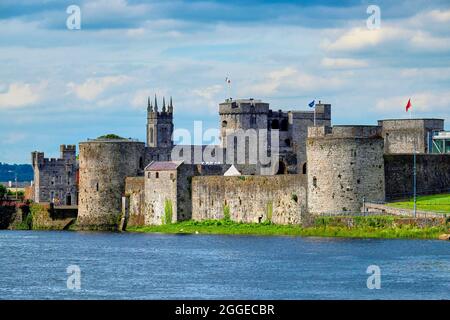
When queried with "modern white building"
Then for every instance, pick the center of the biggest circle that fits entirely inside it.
(441, 142)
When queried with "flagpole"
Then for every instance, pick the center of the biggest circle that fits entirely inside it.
(314, 115)
(228, 84)
(414, 170)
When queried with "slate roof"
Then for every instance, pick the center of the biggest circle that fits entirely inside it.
(163, 165)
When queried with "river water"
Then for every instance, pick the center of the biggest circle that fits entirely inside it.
(33, 265)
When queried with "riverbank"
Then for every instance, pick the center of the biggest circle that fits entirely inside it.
(384, 227)
(438, 203)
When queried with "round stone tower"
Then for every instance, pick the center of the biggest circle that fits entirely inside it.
(345, 166)
(103, 166)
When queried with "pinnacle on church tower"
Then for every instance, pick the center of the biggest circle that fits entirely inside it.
(149, 105)
(164, 105)
(156, 104)
(170, 105)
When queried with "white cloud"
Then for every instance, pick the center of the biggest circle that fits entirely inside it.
(431, 74)
(426, 41)
(93, 87)
(291, 80)
(439, 15)
(421, 102)
(140, 98)
(360, 38)
(343, 63)
(136, 32)
(417, 32)
(209, 96)
(20, 95)
(112, 8)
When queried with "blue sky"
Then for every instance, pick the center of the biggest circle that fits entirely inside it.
(62, 86)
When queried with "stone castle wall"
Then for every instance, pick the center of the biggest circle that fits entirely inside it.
(403, 135)
(104, 165)
(55, 179)
(345, 165)
(433, 174)
(160, 197)
(134, 190)
(280, 199)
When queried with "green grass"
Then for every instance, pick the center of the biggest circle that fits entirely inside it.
(366, 229)
(436, 203)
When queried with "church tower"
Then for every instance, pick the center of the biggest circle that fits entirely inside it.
(159, 124)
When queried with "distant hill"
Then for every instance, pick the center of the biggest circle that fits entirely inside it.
(8, 172)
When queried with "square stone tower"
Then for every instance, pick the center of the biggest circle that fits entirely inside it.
(159, 125)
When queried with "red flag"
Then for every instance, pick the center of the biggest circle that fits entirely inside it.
(408, 105)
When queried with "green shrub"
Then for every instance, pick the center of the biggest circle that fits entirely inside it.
(226, 213)
(110, 136)
(3, 191)
(168, 211)
(269, 211)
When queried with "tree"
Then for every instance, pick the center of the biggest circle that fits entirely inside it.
(110, 136)
(3, 191)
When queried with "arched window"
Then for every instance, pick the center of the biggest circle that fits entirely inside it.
(304, 168)
(224, 124)
(151, 135)
(275, 124)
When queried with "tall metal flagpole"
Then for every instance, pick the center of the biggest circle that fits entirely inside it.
(228, 84)
(415, 182)
(414, 173)
(315, 113)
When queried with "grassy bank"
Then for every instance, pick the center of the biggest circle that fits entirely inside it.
(436, 203)
(364, 227)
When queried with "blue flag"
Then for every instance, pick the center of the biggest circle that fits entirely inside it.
(311, 104)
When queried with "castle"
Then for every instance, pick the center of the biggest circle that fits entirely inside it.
(55, 180)
(315, 168)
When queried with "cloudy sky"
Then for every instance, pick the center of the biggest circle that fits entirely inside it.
(62, 86)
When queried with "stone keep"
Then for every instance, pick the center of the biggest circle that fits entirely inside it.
(345, 166)
(55, 179)
(104, 165)
(292, 127)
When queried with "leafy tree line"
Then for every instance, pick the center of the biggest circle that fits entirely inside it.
(3, 191)
(8, 171)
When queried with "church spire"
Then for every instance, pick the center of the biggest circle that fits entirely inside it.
(156, 104)
(164, 104)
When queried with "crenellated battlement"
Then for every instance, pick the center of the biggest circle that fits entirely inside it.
(344, 132)
(231, 106)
